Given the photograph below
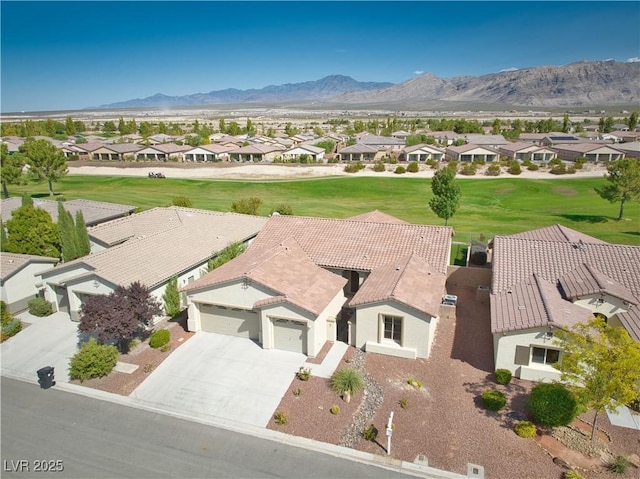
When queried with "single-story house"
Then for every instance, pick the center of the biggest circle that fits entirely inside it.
(85, 150)
(212, 152)
(360, 152)
(421, 153)
(552, 278)
(160, 139)
(470, 152)
(493, 141)
(523, 151)
(163, 152)
(256, 153)
(116, 152)
(93, 212)
(19, 278)
(595, 152)
(560, 139)
(372, 281)
(182, 249)
(387, 143)
(630, 149)
(446, 138)
(314, 152)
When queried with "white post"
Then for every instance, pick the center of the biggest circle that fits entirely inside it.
(389, 433)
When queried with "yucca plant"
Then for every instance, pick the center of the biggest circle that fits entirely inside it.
(347, 382)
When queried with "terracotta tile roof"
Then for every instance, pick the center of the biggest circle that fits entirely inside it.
(304, 285)
(533, 303)
(11, 263)
(471, 146)
(585, 280)
(258, 148)
(585, 147)
(423, 147)
(93, 211)
(358, 148)
(376, 216)
(410, 280)
(138, 225)
(125, 147)
(358, 245)
(631, 322)
(562, 257)
(155, 258)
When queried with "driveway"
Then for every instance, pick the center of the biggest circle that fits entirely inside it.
(47, 341)
(222, 376)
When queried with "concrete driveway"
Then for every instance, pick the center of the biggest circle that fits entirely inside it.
(222, 376)
(48, 341)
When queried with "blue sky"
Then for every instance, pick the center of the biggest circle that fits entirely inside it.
(71, 55)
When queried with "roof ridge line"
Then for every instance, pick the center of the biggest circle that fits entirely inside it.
(545, 303)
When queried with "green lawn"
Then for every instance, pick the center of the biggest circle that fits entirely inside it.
(488, 206)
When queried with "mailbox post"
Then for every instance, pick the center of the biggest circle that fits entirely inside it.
(389, 433)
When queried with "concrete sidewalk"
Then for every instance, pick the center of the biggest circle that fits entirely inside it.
(624, 417)
(331, 361)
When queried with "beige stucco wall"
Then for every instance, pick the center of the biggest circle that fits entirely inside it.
(610, 305)
(21, 287)
(417, 330)
(468, 276)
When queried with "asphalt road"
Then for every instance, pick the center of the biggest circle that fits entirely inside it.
(51, 433)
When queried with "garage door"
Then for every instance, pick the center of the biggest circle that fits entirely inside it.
(230, 321)
(290, 335)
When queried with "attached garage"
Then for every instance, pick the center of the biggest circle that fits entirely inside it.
(290, 335)
(232, 321)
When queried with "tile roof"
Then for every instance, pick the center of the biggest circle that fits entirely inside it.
(557, 233)
(469, 147)
(423, 147)
(631, 322)
(585, 147)
(11, 263)
(358, 245)
(93, 211)
(359, 148)
(304, 285)
(138, 225)
(376, 216)
(155, 258)
(410, 280)
(586, 280)
(125, 147)
(258, 148)
(533, 303)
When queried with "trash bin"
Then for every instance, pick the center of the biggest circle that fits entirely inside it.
(45, 377)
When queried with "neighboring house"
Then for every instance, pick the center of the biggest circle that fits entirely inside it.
(422, 153)
(553, 278)
(213, 152)
(560, 139)
(471, 153)
(387, 143)
(160, 139)
(372, 281)
(401, 134)
(593, 152)
(19, 278)
(257, 153)
(360, 152)
(93, 212)
(315, 152)
(86, 150)
(523, 151)
(117, 152)
(180, 250)
(493, 141)
(630, 149)
(163, 152)
(446, 138)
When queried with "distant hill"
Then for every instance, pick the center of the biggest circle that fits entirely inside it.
(325, 88)
(577, 84)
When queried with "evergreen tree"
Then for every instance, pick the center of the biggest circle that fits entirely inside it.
(32, 231)
(27, 200)
(82, 235)
(171, 298)
(67, 234)
(3, 237)
(11, 168)
(69, 126)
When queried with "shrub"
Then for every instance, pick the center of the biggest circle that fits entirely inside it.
(335, 410)
(469, 169)
(619, 465)
(10, 328)
(40, 307)
(159, 338)
(347, 380)
(533, 167)
(432, 163)
(503, 376)
(246, 206)
(403, 403)
(571, 170)
(280, 418)
(378, 166)
(93, 361)
(479, 161)
(353, 167)
(297, 392)
(493, 170)
(494, 400)
(525, 429)
(560, 169)
(5, 315)
(572, 474)
(303, 373)
(413, 167)
(283, 209)
(579, 162)
(414, 382)
(453, 165)
(370, 433)
(552, 405)
(400, 170)
(182, 201)
(514, 168)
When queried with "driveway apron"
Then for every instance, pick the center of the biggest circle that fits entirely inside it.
(226, 377)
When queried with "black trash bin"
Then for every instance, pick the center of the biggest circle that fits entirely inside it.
(45, 377)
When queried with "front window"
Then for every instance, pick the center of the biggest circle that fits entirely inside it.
(545, 356)
(393, 328)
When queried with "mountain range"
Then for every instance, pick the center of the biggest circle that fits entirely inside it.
(579, 84)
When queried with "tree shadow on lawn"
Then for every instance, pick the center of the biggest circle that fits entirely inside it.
(586, 218)
(517, 398)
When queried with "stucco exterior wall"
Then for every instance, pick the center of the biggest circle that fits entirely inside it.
(286, 311)
(609, 306)
(21, 287)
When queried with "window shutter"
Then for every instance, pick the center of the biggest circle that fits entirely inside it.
(522, 356)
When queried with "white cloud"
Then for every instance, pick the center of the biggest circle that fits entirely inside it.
(512, 69)
(418, 72)
(633, 60)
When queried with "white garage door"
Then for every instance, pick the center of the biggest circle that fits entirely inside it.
(231, 321)
(290, 335)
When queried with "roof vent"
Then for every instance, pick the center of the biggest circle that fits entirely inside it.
(521, 307)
